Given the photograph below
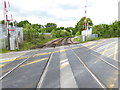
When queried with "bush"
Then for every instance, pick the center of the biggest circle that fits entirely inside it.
(107, 31)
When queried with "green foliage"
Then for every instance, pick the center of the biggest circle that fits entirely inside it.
(22, 23)
(27, 45)
(60, 33)
(2, 22)
(4, 51)
(107, 31)
(61, 28)
(30, 32)
(71, 30)
(78, 33)
(42, 30)
(10, 23)
(7, 51)
(78, 39)
(50, 27)
(79, 25)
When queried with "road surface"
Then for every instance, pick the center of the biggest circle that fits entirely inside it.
(88, 65)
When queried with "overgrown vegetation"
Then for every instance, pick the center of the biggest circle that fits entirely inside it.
(38, 42)
(103, 30)
(4, 51)
(107, 31)
(80, 25)
(37, 34)
(7, 51)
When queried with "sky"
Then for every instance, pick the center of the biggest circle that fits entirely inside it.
(64, 13)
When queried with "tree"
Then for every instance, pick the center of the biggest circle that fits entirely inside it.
(2, 22)
(106, 31)
(101, 29)
(50, 27)
(22, 23)
(71, 30)
(60, 33)
(115, 29)
(79, 25)
(30, 31)
(61, 28)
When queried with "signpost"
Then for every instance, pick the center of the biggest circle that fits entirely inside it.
(8, 19)
(87, 28)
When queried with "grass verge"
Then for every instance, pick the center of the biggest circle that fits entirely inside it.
(27, 45)
(34, 43)
(89, 39)
(4, 51)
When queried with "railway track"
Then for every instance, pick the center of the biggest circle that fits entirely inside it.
(79, 54)
(53, 44)
(16, 64)
(107, 62)
(93, 72)
(87, 68)
(59, 42)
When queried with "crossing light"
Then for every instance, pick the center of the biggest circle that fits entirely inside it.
(89, 23)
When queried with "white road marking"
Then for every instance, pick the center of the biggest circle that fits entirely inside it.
(13, 69)
(107, 62)
(100, 83)
(63, 61)
(103, 47)
(40, 83)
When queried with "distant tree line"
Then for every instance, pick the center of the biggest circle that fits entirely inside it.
(80, 25)
(107, 31)
(32, 31)
(103, 30)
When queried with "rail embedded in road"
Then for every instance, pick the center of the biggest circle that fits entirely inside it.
(42, 69)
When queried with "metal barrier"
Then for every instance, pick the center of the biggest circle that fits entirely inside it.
(16, 37)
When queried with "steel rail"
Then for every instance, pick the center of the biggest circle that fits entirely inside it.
(108, 63)
(87, 68)
(44, 72)
(18, 65)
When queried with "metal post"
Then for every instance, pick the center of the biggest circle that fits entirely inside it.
(6, 22)
(86, 15)
(8, 40)
(8, 34)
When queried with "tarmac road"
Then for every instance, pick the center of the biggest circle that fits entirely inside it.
(89, 65)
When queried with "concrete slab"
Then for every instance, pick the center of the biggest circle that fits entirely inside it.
(67, 79)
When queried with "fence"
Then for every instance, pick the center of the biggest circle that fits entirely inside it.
(16, 37)
(3, 37)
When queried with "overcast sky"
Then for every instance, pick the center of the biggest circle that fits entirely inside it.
(63, 12)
